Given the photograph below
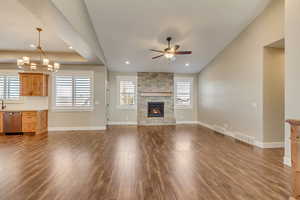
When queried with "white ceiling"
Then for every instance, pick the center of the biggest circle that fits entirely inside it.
(18, 29)
(127, 29)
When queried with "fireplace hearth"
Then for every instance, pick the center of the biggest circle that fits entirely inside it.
(155, 109)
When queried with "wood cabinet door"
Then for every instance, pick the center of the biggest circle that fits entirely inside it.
(29, 122)
(26, 85)
(34, 84)
(44, 120)
(45, 85)
(1, 122)
(37, 85)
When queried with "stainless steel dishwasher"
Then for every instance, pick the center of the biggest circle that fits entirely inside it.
(12, 122)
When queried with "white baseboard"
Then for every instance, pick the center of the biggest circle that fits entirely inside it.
(244, 138)
(269, 145)
(205, 125)
(135, 123)
(186, 122)
(122, 123)
(82, 128)
(287, 161)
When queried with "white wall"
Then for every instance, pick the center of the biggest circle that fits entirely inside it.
(273, 95)
(231, 86)
(129, 116)
(189, 115)
(292, 67)
(95, 119)
(115, 114)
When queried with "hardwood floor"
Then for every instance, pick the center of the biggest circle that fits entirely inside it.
(140, 163)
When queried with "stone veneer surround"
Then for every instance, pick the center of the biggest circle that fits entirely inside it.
(155, 82)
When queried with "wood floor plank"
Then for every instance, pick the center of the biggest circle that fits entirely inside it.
(185, 162)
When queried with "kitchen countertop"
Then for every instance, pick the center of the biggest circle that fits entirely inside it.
(22, 110)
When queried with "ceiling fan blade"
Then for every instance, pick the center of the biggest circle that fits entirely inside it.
(156, 51)
(183, 52)
(158, 56)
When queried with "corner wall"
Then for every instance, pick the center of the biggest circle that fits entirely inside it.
(292, 68)
(230, 88)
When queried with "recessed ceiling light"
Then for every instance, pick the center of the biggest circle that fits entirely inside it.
(127, 62)
(187, 64)
(70, 47)
(32, 46)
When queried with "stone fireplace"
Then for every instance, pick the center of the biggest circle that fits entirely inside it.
(155, 101)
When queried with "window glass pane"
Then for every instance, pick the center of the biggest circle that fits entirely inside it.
(82, 91)
(12, 87)
(183, 92)
(2, 85)
(127, 92)
(9, 87)
(127, 99)
(73, 91)
(64, 91)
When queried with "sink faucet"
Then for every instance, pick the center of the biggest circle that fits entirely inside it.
(3, 106)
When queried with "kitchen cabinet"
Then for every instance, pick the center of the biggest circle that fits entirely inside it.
(295, 157)
(30, 121)
(1, 122)
(34, 84)
(35, 121)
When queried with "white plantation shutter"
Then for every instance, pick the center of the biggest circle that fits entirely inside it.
(64, 91)
(12, 87)
(183, 88)
(127, 92)
(82, 91)
(73, 92)
(9, 87)
(2, 87)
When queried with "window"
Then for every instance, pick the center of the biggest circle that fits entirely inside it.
(73, 91)
(9, 87)
(183, 92)
(127, 91)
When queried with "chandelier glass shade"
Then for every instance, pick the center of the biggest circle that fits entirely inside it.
(41, 64)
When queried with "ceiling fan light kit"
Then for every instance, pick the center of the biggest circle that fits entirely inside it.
(170, 52)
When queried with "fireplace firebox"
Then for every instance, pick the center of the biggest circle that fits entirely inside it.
(155, 109)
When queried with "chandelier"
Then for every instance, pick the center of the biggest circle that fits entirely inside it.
(42, 64)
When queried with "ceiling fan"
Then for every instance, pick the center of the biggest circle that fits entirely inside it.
(170, 52)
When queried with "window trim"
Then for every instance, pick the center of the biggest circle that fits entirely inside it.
(72, 108)
(191, 79)
(8, 72)
(126, 78)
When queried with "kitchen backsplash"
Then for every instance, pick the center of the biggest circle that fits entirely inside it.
(28, 103)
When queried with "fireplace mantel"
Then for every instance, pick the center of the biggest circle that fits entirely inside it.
(156, 94)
